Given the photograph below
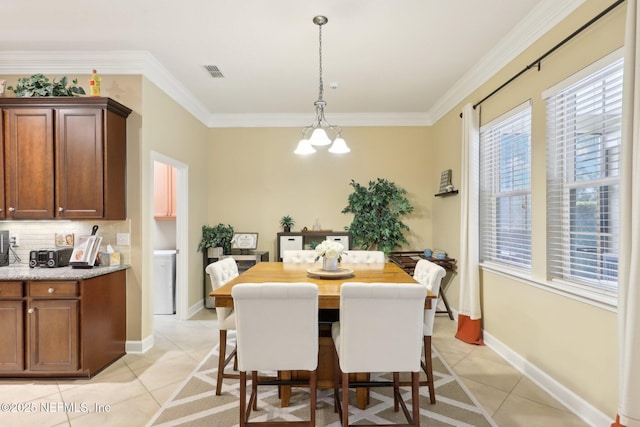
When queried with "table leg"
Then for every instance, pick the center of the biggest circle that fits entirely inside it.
(285, 390)
(362, 393)
(443, 287)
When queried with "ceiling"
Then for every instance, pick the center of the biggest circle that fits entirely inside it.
(393, 62)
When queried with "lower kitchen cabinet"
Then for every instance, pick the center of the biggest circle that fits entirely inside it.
(62, 328)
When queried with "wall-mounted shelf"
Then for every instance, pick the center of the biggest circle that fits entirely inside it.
(447, 193)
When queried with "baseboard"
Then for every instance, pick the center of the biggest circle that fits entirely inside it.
(139, 347)
(568, 398)
(195, 308)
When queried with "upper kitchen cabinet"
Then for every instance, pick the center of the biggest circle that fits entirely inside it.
(64, 158)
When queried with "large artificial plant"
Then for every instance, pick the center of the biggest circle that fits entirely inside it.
(377, 210)
(218, 236)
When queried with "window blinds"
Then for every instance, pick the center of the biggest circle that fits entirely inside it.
(583, 188)
(505, 188)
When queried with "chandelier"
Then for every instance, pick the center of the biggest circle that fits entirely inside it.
(319, 127)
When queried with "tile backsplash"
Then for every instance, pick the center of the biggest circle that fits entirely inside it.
(34, 235)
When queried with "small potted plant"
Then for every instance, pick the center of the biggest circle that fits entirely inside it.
(287, 222)
(219, 236)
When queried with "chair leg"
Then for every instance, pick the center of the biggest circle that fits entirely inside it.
(428, 368)
(243, 398)
(221, 358)
(345, 400)
(396, 391)
(254, 389)
(313, 383)
(415, 397)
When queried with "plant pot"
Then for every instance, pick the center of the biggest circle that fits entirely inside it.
(330, 264)
(214, 252)
(287, 229)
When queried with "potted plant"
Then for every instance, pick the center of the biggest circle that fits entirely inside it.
(218, 236)
(376, 212)
(287, 222)
(40, 85)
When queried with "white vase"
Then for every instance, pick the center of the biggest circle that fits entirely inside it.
(330, 263)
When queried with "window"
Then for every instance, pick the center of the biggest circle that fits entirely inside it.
(583, 176)
(505, 189)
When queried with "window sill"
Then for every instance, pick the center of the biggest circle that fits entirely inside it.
(569, 290)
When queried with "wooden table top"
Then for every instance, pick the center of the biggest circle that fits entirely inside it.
(328, 288)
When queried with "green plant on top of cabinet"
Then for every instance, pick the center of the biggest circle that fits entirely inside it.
(64, 158)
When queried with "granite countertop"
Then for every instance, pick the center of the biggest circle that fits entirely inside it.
(24, 272)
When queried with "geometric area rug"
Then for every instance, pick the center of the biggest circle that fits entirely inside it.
(195, 403)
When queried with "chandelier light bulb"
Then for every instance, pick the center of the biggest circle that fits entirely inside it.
(319, 137)
(339, 146)
(304, 147)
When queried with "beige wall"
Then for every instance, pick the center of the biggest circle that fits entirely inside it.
(254, 178)
(572, 341)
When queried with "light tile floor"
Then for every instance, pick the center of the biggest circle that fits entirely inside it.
(129, 392)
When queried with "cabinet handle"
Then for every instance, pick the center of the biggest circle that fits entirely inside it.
(51, 290)
(11, 209)
(30, 311)
(60, 209)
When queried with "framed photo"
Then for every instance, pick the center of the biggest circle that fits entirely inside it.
(244, 241)
(64, 240)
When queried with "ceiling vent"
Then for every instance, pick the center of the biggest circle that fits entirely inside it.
(214, 71)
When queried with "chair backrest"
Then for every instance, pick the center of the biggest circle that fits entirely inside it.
(221, 272)
(299, 256)
(363, 257)
(277, 326)
(430, 275)
(380, 327)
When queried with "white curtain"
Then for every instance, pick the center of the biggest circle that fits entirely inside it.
(629, 273)
(469, 314)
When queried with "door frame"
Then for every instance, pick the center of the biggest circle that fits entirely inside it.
(182, 228)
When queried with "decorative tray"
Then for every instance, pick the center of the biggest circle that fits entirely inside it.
(325, 274)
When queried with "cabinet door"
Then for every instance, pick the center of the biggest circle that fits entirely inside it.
(11, 336)
(29, 156)
(53, 335)
(164, 190)
(80, 163)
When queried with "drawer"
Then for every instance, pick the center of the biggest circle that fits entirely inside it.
(290, 243)
(10, 290)
(53, 289)
(344, 240)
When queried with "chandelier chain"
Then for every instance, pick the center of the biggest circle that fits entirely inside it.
(321, 89)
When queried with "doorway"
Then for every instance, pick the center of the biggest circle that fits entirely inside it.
(169, 224)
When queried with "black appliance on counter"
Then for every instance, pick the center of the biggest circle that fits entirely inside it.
(4, 248)
(58, 257)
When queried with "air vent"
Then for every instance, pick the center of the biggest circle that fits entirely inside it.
(214, 71)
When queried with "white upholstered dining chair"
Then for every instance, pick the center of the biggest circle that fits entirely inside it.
(277, 331)
(430, 275)
(221, 272)
(299, 256)
(363, 257)
(367, 342)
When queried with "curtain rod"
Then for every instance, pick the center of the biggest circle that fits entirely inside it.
(550, 51)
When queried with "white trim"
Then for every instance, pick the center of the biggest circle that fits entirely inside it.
(546, 15)
(139, 347)
(195, 308)
(563, 288)
(583, 73)
(539, 21)
(507, 114)
(564, 395)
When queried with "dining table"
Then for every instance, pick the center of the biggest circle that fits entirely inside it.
(329, 283)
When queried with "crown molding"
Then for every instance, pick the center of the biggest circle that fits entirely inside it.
(539, 21)
(108, 62)
(301, 120)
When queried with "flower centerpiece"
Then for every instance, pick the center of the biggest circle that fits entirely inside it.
(331, 253)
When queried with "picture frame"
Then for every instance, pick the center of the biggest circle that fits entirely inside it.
(65, 240)
(245, 241)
